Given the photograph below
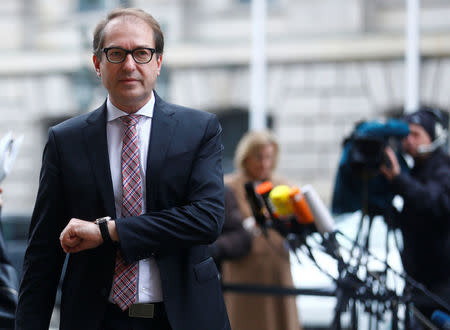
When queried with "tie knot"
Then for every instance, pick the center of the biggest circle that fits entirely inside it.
(130, 120)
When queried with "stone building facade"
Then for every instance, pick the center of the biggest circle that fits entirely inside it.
(330, 64)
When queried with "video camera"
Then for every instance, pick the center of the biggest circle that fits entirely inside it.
(362, 155)
(367, 142)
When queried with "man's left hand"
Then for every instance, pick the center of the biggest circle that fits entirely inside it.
(392, 171)
(80, 235)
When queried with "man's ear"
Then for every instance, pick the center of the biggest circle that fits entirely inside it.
(96, 62)
(159, 60)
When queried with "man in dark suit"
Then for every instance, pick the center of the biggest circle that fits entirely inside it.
(153, 167)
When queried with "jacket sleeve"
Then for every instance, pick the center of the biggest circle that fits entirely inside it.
(198, 221)
(44, 256)
(430, 198)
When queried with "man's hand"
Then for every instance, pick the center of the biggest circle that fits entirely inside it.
(394, 170)
(80, 235)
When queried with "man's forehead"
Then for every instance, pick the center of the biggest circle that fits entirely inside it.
(118, 23)
(416, 128)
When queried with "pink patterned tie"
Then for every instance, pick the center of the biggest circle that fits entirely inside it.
(125, 275)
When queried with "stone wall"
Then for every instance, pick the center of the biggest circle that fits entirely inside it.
(325, 72)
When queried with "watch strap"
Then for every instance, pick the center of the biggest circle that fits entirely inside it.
(103, 225)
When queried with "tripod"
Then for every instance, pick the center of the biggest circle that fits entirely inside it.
(359, 286)
(359, 259)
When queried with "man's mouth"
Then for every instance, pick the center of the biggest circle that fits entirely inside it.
(128, 80)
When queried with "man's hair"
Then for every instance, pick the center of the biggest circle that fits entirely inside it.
(429, 119)
(99, 32)
(251, 142)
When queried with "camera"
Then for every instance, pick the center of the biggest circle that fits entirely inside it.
(358, 173)
(367, 154)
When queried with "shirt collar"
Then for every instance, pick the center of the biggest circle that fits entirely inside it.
(114, 112)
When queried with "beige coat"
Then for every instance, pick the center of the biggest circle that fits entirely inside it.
(266, 264)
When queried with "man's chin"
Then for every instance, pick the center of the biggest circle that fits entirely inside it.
(133, 99)
(131, 94)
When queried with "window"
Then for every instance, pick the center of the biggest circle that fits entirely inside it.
(234, 124)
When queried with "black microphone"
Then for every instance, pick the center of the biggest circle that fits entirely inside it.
(263, 189)
(256, 206)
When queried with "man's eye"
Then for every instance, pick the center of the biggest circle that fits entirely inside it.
(142, 53)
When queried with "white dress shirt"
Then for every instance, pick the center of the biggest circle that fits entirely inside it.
(149, 281)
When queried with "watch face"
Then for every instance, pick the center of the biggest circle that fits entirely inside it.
(101, 220)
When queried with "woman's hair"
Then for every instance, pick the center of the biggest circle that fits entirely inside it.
(251, 142)
(99, 32)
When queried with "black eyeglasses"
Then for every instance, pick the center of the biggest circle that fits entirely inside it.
(118, 54)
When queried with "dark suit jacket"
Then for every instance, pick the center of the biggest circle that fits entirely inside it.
(184, 214)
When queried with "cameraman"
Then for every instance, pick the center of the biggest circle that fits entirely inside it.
(425, 217)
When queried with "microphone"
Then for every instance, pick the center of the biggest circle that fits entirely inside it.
(324, 223)
(441, 319)
(264, 189)
(290, 201)
(322, 217)
(256, 206)
(301, 208)
(279, 196)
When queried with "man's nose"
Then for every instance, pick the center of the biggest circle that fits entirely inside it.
(129, 62)
(407, 140)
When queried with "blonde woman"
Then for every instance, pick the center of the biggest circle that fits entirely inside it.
(267, 263)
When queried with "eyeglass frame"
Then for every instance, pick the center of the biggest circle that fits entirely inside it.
(127, 51)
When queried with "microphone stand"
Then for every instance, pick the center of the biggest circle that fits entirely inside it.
(346, 278)
(360, 235)
(395, 303)
(369, 288)
(394, 311)
(347, 285)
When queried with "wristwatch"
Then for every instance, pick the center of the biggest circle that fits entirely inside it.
(103, 225)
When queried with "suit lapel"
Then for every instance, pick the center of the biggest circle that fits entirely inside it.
(97, 146)
(163, 126)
